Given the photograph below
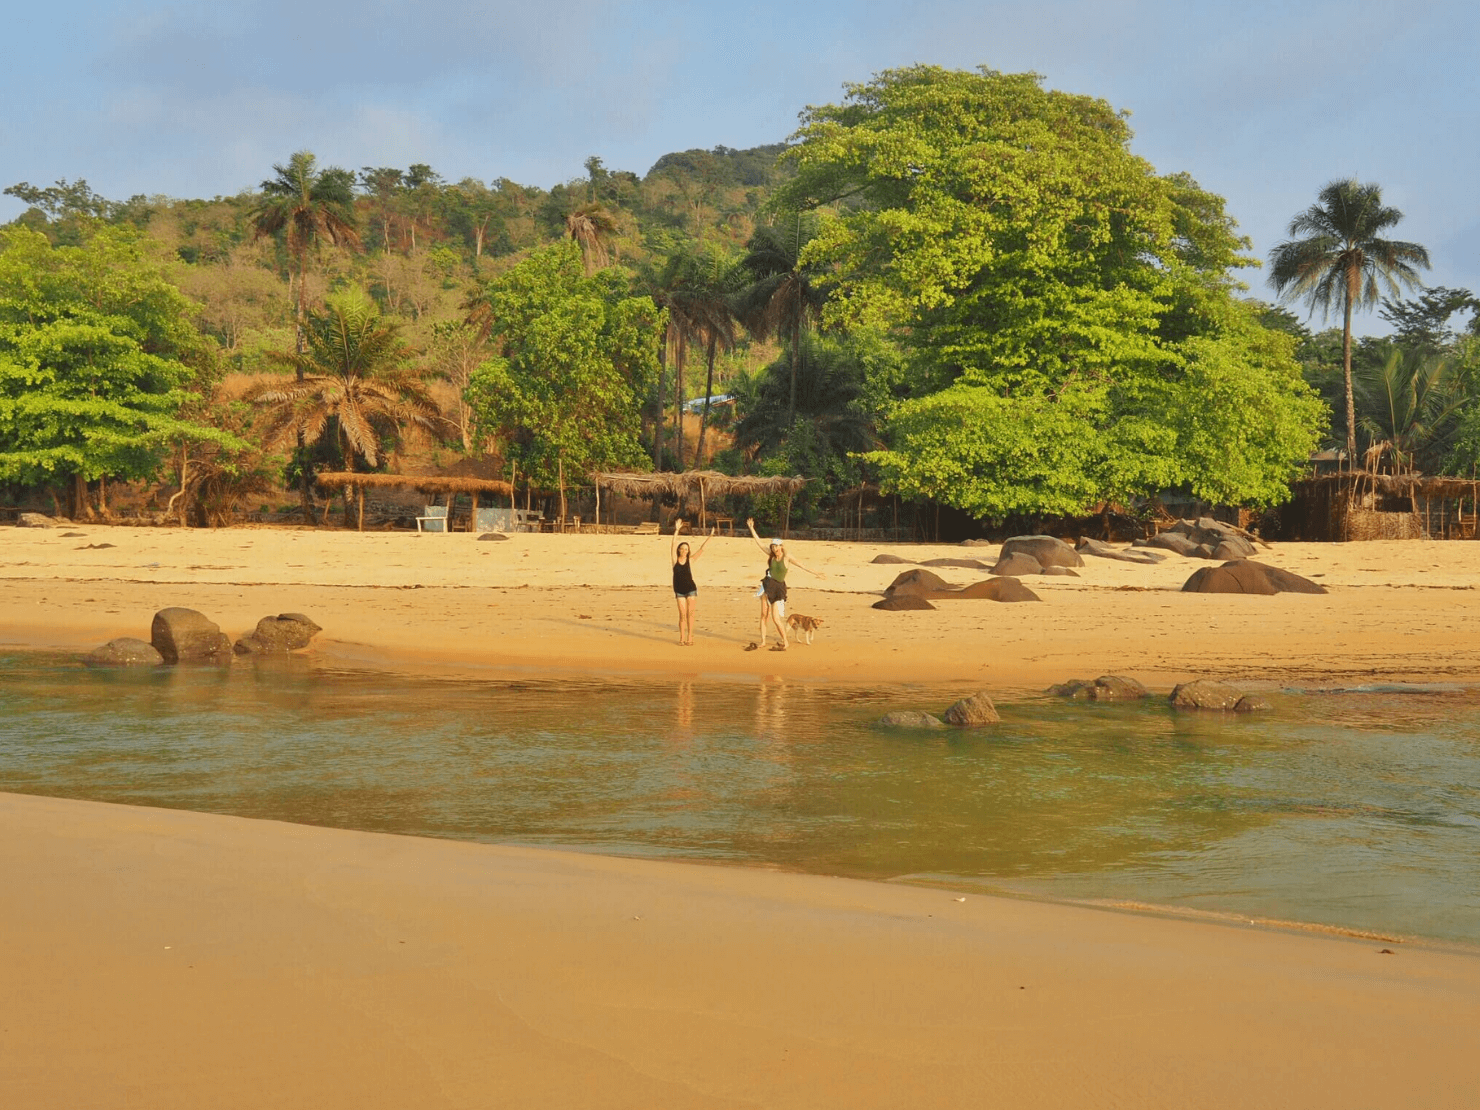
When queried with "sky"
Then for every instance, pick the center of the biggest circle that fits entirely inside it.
(1261, 102)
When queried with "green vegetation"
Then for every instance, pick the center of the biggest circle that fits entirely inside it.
(957, 287)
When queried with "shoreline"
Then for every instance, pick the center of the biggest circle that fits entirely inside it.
(599, 605)
(153, 947)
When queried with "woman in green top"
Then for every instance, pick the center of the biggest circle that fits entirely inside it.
(773, 586)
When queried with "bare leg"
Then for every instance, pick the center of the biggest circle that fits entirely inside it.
(778, 618)
(693, 604)
(765, 616)
(680, 601)
(686, 620)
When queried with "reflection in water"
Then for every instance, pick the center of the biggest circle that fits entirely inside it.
(1359, 810)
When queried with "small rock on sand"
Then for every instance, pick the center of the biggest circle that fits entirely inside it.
(967, 564)
(886, 558)
(973, 711)
(282, 633)
(126, 651)
(1062, 572)
(1016, 564)
(994, 589)
(902, 602)
(917, 583)
(34, 520)
(910, 718)
(493, 536)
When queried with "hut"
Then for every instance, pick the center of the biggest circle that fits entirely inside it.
(429, 484)
(1360, 505)
(701, 484)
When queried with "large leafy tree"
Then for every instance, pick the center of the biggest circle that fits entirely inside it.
(571, 358)
(1065, 310)
(1337, 258)
(97, 353)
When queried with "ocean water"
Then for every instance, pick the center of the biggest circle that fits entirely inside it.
(1359, 810)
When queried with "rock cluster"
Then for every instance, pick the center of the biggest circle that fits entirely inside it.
(1087, 546)
(1031, 554)
(1204, 538)
(927, 586)
(1108, 687)
(1245, 576)
(969, 712)
(179, 635)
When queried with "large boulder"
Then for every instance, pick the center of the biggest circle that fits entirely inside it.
(1245, 576)
(1204, 693)
(910, 718)
(1017, 564)
(282, 633)
(971, 712)
(34, 520)
(902, 602)
(185, 636)
(126, 651)
(1108, 687)
(1087, 546)
(1049, 551)
(917, 583)
(994, 589)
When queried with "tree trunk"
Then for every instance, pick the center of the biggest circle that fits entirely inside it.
(680, 353)
(103, 496)
(81, 508)
(360, 522)
(708, 392)
(303, 494)
(796, 353)
(662, 393)
(1346, 367)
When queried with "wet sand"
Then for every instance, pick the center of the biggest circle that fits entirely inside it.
(1405, 611)
(180, 960)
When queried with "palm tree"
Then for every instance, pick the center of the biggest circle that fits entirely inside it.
(673, 290)
(306, 204)
(1336, 256)
(785, 296)
(353, 378)
(1409, 406)
(824, 400)
(591, 226)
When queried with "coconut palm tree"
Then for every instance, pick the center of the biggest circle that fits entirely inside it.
(306, 204)
(676, 289)
(354, 381)
(1336, 256)
(592, 226)
(785, 296)
(1409, 405)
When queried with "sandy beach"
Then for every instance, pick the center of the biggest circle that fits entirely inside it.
(179, 960)
(450, 604)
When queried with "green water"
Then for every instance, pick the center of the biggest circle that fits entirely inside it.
(1359, 810)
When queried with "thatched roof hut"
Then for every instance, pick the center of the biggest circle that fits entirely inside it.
(1360, 505)
(706, 483)
(430, 484)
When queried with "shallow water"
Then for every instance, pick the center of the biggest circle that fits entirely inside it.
(1360, 810)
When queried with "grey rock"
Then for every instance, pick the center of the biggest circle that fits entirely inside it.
(992, 589)
(1076, 688)
(282, 633)
(1245, 576)
(910, 718)
(1251, 703)
(1016, 564)
(1227, 551)
(1062, 572)
(967, 564)
(1048, 550)
(185, 636)
(1108, 687)
(887, 558)
(1174, 542)
(1204, 693)
(34, 520)
(493, 536)
(1100, 550)
(971, 712)
(126, 651)
(917, 583)
(976, 543)
(902, 602)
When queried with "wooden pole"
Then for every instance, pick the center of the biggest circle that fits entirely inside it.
(598, 503)
(360, 517)
(473, 521)
(786, 523)
(702, 506)
(560, 469)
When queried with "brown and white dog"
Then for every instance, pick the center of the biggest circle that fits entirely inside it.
(803, 626)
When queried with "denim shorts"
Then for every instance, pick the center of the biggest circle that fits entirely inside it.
(691, 593)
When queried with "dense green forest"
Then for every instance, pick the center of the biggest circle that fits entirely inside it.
(957, 287)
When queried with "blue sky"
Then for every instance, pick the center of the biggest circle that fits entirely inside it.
(1261, 102)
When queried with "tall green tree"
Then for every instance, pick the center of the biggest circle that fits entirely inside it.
(305, 205)
(1410, 404)
(1336, 257)
(785, 295)
(97, 354)
(571, 358)
(1067, 313)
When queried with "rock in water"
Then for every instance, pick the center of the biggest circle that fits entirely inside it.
(126, 651)
(34, 520)
(1251, 703)
(973, 711)
(994, 589)
(1108, 687)
(284, 632)
(902, 602)
(1016, 564)
(1048, 550)
(917, 583)
(1245, 576)
(1204, 693)
(185, 636)
(910, 718)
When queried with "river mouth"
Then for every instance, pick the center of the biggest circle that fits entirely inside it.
(1357, 809)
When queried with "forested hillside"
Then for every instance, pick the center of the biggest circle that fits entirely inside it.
(956, 287)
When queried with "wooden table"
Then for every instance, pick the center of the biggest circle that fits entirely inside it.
(725, 522)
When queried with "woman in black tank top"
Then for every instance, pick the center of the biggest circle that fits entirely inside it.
(684, 590)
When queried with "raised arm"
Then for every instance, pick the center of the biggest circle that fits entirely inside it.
(695, 554)
(673, 542)
(793, 563)
(750, 523)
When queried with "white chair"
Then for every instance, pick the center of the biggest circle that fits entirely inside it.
(433, 519)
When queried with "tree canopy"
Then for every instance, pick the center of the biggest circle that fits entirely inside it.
(1068, 312)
